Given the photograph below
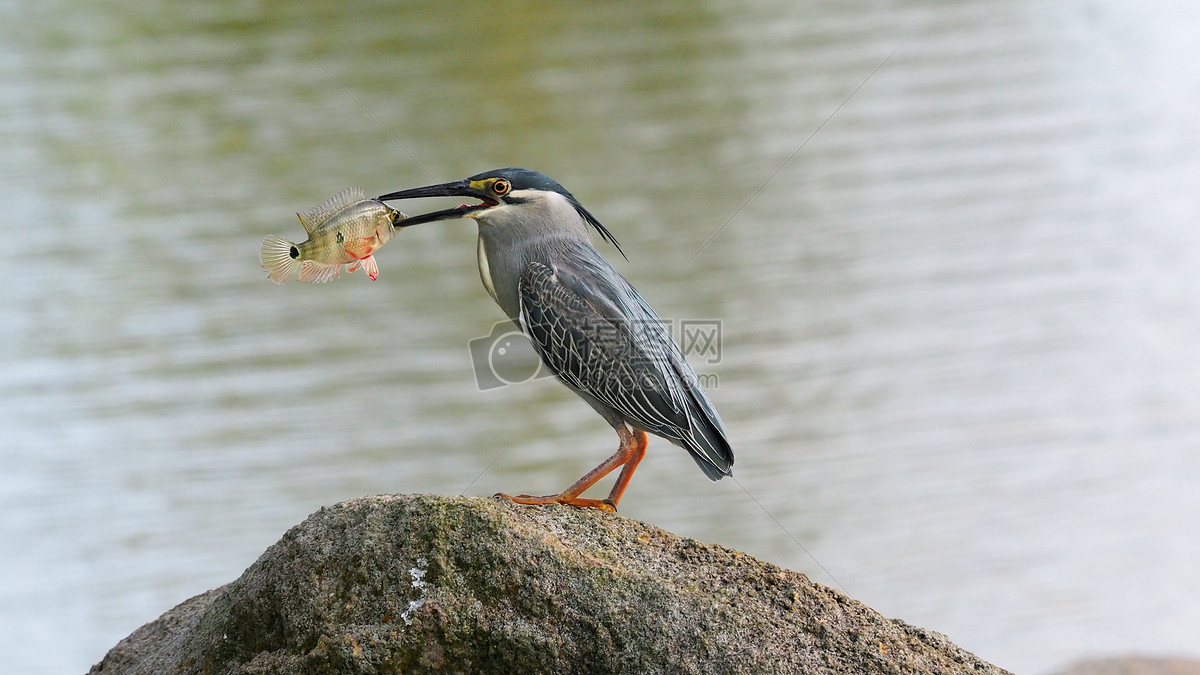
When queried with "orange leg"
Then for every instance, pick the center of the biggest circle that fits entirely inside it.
(633, 448)
(635, 458)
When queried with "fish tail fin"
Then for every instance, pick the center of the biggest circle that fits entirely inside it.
(279, 257)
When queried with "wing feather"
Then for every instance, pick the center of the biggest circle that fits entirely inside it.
(598, 335)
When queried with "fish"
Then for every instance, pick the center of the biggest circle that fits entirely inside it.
(344, 231)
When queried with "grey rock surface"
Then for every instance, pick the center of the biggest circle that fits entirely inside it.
(425, 584)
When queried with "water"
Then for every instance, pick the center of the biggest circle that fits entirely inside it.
(960, 325)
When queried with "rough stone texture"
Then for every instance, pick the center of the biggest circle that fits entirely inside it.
(423, 584)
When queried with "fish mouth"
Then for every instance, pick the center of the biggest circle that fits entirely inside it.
(458, 188)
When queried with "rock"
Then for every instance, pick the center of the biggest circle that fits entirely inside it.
(424, 584)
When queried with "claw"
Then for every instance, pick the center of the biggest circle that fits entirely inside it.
(628, 456)
(579, 502)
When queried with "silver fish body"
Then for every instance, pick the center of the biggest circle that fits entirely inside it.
(344, 231)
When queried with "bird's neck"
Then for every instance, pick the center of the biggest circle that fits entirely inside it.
(500, 271)
(485, 269)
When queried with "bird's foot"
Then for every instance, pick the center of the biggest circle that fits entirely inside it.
(581, 502)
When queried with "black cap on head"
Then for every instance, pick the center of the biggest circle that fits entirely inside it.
(528, 179)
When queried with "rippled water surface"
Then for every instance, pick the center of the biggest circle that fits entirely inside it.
(953, 248)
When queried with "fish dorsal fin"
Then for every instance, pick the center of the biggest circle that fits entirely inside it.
(317, 215)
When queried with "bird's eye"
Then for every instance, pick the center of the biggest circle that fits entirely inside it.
(501, 187)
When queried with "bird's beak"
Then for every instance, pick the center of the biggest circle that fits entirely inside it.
(458, 188)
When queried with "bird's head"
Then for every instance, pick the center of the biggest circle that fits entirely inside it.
(509, 195)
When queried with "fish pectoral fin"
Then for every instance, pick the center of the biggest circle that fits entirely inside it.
(313, 272)
(370, 267)
(362, 248)
(367, 265)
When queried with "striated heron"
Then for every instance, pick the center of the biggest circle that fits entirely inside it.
(590, 327)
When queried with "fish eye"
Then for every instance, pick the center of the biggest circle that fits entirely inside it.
(501, 187)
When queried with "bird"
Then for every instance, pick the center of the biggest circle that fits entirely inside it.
(587, 323)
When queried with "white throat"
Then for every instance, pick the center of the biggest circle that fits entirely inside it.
(485, 271)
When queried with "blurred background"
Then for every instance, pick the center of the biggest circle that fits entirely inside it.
(960, 318)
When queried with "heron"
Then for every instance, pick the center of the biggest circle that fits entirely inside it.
(588, 325)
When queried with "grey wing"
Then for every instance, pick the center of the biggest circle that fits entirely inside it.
(602, 340)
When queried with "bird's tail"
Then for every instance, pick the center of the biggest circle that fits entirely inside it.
(706, 437)
(700, 427)
(279, 257)
(710, 448)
